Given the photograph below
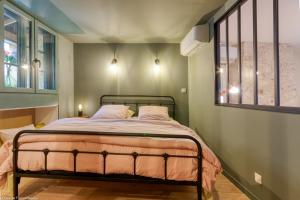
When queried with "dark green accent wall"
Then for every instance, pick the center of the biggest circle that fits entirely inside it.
(246, 141)
(135, 75)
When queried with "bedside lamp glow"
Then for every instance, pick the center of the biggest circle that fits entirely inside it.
(80, 110)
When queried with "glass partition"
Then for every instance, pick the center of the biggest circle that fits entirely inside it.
(265, 53)
(289, 53)
(262, 49)
(223, 67)
(247, 56)
(234, 80)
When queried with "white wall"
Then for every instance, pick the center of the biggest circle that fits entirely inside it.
(65, 77)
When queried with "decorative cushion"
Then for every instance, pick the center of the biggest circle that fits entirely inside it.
(111, 112)
(153, 113)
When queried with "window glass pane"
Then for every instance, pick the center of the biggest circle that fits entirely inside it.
(289, 52)
(222, 71)
(234, 81)
(17, 50)
(265, 52)
(46, 54)
(248, 70)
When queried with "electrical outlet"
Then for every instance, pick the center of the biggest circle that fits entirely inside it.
(257, 178)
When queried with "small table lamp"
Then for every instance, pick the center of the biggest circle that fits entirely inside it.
(80, 112)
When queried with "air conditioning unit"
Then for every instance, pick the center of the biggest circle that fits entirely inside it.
(197, 36)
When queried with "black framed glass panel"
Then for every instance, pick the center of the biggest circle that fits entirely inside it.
(223, 66)
(265, 52)
(289, 52)
(247, 53)
(234, 81)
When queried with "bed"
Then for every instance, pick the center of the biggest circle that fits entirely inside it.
(159, 152)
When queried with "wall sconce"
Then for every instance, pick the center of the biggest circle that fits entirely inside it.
(80, 110)
(156, 68)
(113, 65)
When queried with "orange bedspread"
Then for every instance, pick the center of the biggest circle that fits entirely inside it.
(178, 168)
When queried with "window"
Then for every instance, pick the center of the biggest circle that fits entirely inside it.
(28, 61)
(257, 55)
(45, 53)
(17, 50)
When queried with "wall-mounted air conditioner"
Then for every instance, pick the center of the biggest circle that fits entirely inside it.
(197, 36)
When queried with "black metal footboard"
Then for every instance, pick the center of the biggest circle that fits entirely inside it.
(18, 173)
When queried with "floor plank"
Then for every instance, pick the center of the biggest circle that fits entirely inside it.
(44, 189)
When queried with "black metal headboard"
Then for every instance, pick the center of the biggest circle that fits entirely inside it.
(134, 101)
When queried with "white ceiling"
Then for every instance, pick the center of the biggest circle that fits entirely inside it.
(134, 21)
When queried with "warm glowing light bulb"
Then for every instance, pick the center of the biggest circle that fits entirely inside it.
(80, 107)
(234, 90)
(113, 66)
(156, 68)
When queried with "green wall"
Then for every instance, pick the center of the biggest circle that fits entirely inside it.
(20, 100)
(246, 141)
(135, 75)
(65, 59)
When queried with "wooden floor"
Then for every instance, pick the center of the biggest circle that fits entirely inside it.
(42, 189)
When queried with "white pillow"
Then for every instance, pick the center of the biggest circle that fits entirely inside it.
(9, 134)
(153, 113)
(111, 112)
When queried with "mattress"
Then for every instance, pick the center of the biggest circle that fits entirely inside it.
(178, 168)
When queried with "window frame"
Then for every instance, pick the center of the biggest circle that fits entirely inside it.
(3, 89)
(273, 108)
(38, 24)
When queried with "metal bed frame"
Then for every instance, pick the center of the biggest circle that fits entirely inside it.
(50, 174)
(138, 100)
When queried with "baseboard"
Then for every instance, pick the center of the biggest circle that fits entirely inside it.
(238, 184)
